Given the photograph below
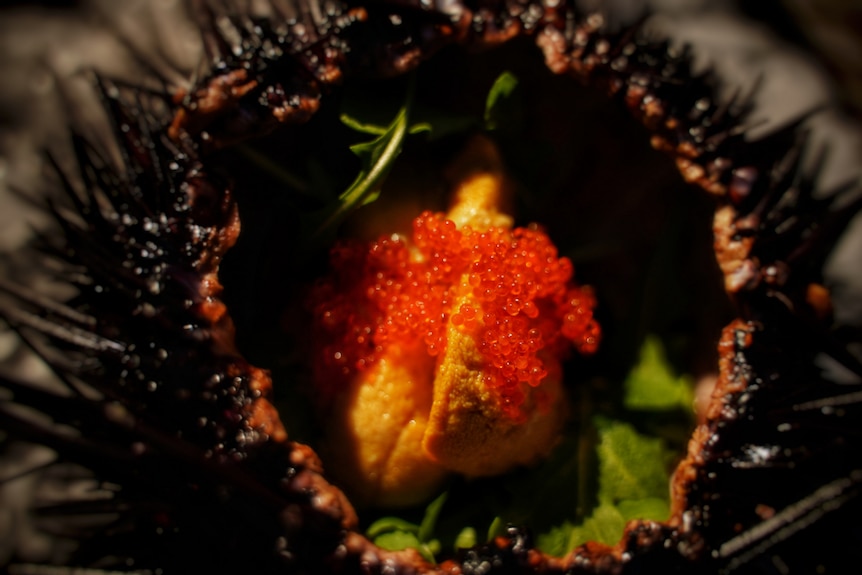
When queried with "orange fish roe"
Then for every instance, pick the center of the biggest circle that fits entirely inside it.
(393, 292)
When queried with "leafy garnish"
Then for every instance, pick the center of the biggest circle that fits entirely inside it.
(429, 520)
(604, 473)
(395, 534)
(631, 466)
(466, 538)
(503, 107)
(374, 129)
(632, 484)
(377, 157)
(652, 385)
(369, 113)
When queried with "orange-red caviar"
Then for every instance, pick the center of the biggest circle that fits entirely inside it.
(396, 291)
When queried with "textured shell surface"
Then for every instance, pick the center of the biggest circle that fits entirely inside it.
(139, 429)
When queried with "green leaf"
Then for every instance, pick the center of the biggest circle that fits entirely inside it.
(556, 541)
(389, 525)
(377, 157)
(361, 126)
(429, 550)
(655, 508)
(370, 112)
(396, 534)
(632, 483)
(378, 130)
(497, 527)
(466, 538)
(631, 465)
(397, 540)
(652, 385)
(605, 525)
(503, 107)
(429, 521)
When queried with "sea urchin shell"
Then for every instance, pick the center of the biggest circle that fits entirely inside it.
(159, 403)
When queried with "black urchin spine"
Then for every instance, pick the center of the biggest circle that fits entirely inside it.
(150, 240)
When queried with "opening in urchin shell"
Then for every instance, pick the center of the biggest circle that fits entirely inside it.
(583, 169)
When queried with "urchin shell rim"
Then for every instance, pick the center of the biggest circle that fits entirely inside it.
(689, 159)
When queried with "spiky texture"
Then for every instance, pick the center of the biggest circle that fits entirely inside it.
(167, 414)
(163, 405)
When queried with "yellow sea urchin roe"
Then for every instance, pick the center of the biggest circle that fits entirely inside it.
(441, 352)
(476, 430)
(376, 428)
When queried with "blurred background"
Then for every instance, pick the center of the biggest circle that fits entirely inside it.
(805, 54)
